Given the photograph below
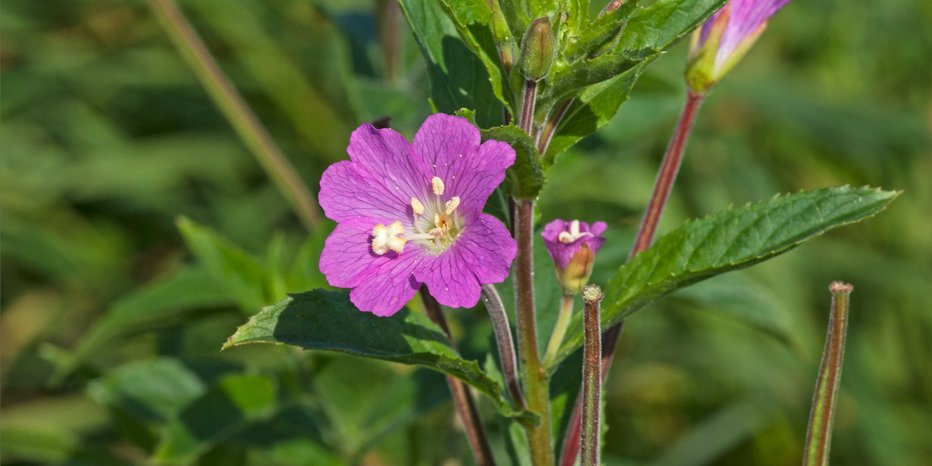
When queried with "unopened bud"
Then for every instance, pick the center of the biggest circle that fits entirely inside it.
(537, 50)
(612, 6)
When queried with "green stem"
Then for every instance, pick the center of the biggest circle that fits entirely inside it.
(559, 330)
(234, 108)
(592, 377)
(666, 177)
(535, 383)
(821, 418)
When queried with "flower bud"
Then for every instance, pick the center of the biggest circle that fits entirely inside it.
(572, 246)
(537, 50)
(723, 40)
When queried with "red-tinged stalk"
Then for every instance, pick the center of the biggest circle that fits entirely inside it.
(645, 236)
(592, 377)
(535, 383)
(821, 418)
(529, 98)
(506, 347)
(550, 127)
(462, 398)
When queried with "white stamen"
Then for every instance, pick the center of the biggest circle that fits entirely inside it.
(572, 235)
(452, 204)
(417, 206)
(435, 232)
(437, 185)
(386, 238)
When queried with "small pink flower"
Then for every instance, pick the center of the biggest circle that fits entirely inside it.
(726, 37)
(572, 246)
(411, 214)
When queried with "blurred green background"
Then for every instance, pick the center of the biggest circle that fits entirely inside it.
(112, 320)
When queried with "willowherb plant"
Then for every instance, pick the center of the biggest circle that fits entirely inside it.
(413, 216)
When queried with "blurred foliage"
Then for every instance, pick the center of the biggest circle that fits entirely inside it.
(114, 307)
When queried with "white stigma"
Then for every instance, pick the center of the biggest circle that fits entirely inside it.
(437, 185)
(452, 204)
(572, 235)
(417, 206)
(386, 238)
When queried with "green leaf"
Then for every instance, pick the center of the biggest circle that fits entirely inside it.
(458, 78)
(472, 20)
(729, 240)
(658, 28)
(328, 321)
(156, 390)
(160, 304)
(241, 274)
(526, 177)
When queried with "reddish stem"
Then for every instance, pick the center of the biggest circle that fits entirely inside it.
(658, 201)
(465, 404)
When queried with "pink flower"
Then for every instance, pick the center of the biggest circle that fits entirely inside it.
(725, 37)
(572, 246)
(411, 214)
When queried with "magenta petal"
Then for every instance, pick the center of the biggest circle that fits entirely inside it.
(488, 248)
(386, 156)
(447, 280)
(346, 192)
(383, 284)
(744, 18)
(450, 149)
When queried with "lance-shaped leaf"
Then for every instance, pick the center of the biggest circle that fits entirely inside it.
(526, 177)
(605, 27)
(328, 321)
(458, 78)
(726, 241)
(473, 22)
(657, 27)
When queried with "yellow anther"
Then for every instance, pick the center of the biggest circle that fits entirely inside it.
(417, 206)
(452, 204)
(435, 232)
(437, 185)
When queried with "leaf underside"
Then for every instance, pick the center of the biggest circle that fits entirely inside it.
(328, 321)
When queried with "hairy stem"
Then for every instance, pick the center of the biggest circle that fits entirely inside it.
(506, 347)
(234, 108)
(645, 236)
(529, 98)
(547, 132)
(559, 330)
(465, 404)
(821, 418)
(535, 384)
(667, 175)
(592, 377)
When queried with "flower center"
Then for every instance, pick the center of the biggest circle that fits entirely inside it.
(574, 233)
(436, 224)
